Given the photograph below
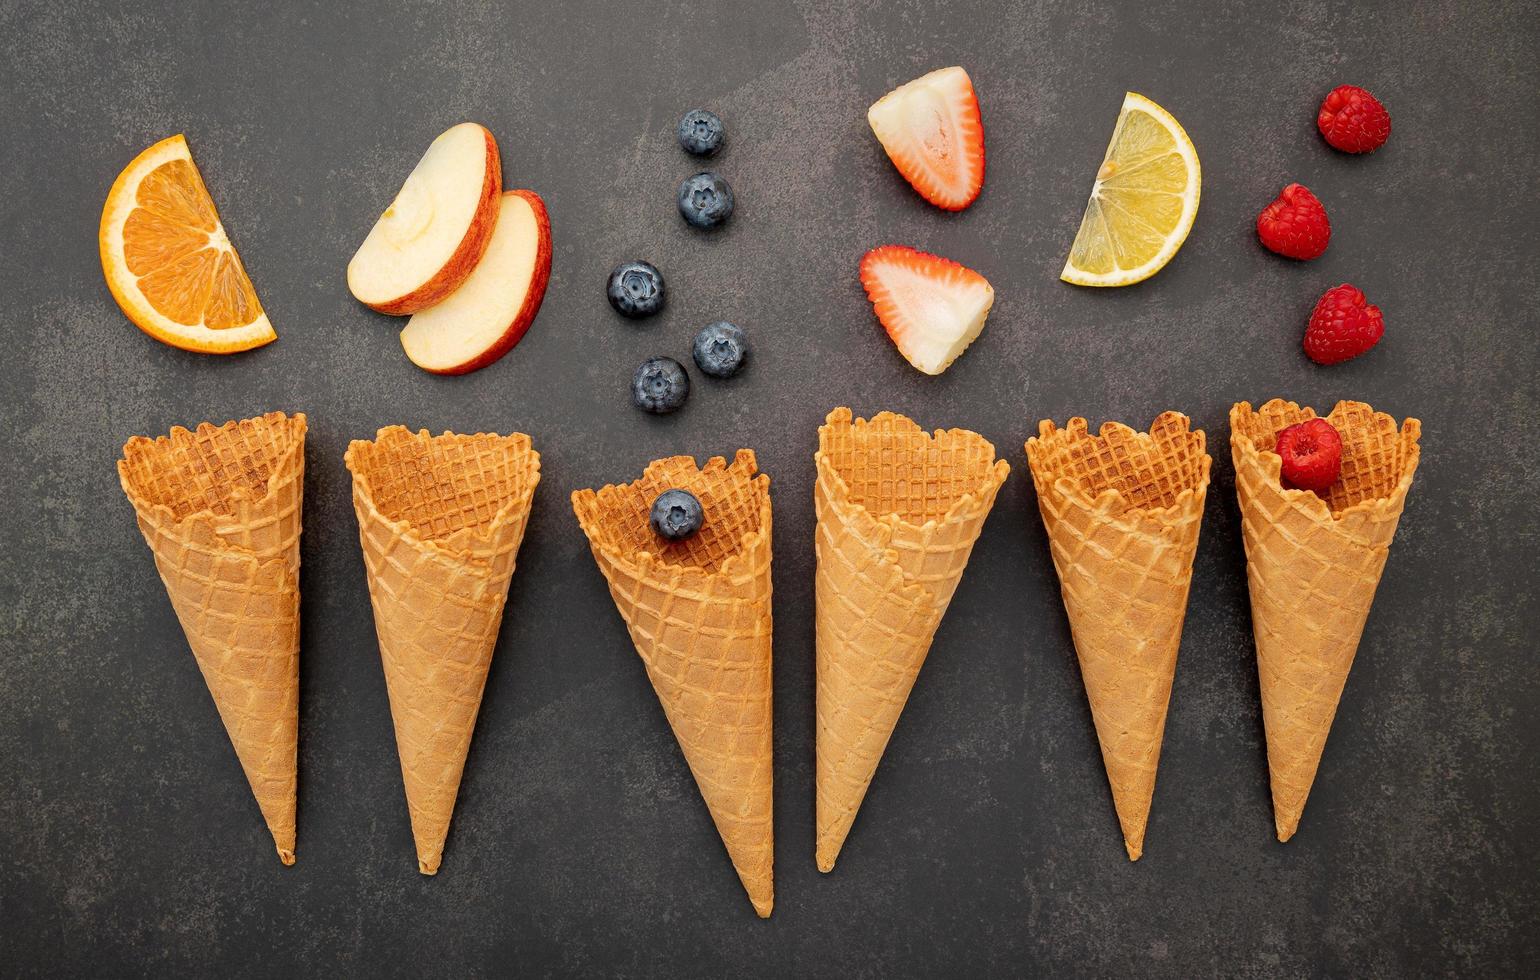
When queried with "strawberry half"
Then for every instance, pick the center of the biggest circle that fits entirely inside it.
(934, 136)
(931, 307)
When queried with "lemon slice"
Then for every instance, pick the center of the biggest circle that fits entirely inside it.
(168, 261)
(1143, 203)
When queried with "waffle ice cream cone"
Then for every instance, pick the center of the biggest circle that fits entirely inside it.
(220, 507)
(1122, 510)
(898, 512)
(698, 611)
(440, 519)
(1313, 563)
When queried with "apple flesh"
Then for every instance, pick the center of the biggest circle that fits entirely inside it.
(429, 240)
(483, 319)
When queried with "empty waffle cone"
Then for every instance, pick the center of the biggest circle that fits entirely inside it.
(898, 512)
(1313, 563)
(221, 510)
(698, 611)
(1122, 510)
(440, 519)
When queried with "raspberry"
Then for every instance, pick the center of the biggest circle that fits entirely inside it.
(1295, 224)
(1352, 120)
(1342, 326)
(1311, 453)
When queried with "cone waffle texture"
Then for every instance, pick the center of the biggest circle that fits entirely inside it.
(698, 611)
(898, 512)
(1122, 510)
(220, 507)
(1313, 563)
(440, 519)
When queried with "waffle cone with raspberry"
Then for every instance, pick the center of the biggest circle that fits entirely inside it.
(698, 611)
(440, 519)
(1313, 563)
(220, 507)
(1122, 510)
(898, 512)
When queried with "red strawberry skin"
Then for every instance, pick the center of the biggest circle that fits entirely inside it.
(1342, 326)
(1311, 453)
(931, 307)
(1295, 224)
(1352, 120)
(933, 133)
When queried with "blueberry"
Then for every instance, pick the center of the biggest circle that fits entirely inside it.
(677, 515)
(705, 199)
(636, 289)
(700, 132)
(721, 349)
(659, 386)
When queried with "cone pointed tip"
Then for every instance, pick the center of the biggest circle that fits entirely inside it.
(426, 868)
(827, 853)
(1286, 823)
(1135, 849)
(286, 855)
(828, 847)
(762, 907)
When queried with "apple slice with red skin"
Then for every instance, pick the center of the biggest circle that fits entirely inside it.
(483, 319)
(430, 238)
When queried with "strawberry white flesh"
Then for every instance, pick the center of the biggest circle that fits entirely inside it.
(934, 136)
(931, 307)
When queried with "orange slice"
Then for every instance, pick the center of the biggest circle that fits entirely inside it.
(168, 261)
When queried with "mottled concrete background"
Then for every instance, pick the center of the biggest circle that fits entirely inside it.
(129, 843)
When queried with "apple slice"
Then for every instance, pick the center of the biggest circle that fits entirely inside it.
(435, 231)
(484, 318)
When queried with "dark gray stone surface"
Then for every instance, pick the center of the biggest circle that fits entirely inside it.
(129, 843)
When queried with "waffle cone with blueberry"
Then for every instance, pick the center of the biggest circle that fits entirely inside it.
(1313, 562)
(220, 508)
(898, 512)
(1122, 510)
(440, 519)
(698, 610)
